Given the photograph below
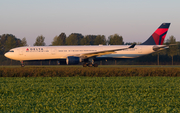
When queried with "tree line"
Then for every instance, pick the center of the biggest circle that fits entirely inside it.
(9, 41)
(79, 39)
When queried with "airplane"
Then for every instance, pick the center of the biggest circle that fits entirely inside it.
(88, 54)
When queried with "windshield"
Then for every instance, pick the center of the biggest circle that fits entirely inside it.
(11, 51)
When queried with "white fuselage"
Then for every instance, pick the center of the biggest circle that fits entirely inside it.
(62, 52)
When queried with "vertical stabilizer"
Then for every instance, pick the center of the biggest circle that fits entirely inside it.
(157, 38)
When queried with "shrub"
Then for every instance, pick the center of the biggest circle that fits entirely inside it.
(90, 72)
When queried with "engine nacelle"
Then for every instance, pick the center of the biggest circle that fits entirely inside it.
(72, 60)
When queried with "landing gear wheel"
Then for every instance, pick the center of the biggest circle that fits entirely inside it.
(22, 65)
(90, 65)
(84, 64)
(95, 65)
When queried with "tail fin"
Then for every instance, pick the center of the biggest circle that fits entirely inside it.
(157, 38)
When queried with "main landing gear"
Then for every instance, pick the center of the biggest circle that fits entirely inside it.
(90, 64)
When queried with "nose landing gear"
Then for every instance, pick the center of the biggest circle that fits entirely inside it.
(22, 64)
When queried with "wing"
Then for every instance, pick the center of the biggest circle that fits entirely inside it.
(99, 53)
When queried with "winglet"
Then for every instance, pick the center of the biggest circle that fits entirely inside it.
(132, 46)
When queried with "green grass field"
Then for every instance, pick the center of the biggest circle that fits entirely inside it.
(90, 94)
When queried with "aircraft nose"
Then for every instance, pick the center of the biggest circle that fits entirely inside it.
(6, 54)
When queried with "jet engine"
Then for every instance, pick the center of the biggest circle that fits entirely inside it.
(73, 60)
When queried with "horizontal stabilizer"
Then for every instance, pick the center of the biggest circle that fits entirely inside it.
(156, 48)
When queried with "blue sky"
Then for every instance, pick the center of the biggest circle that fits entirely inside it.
(135, 20)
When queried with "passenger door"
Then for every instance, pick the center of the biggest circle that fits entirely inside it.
(20, 52)
(139, 50)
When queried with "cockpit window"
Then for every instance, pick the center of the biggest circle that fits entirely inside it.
(11, 51)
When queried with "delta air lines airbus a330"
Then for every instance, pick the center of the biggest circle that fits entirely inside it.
(87, 54)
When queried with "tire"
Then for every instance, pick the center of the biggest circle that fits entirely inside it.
(95, 65)
(90, 65)
(84, 64)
